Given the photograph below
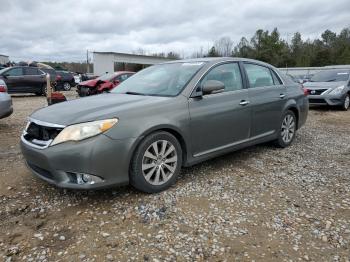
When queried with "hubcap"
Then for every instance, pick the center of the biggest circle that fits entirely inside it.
(347, 102)
(159, 162)
(288, 128)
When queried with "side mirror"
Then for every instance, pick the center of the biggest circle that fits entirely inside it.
(212, 87)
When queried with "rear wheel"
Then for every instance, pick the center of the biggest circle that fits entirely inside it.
(346, 102)
(287, 130)
(156, 163)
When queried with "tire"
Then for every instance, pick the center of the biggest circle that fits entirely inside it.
(152, 160)
(346, 102)
(288, 124)
(67, 86)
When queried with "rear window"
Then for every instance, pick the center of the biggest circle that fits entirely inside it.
(31, 71)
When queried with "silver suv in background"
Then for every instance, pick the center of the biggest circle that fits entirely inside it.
(331, 87)
(5, 101)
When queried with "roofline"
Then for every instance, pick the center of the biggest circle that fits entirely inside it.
(4, 55)
(132, 55)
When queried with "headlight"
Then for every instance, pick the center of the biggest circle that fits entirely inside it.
(85, 130)
(337, 90)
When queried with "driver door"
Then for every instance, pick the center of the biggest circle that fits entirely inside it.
(221, 120)
(15, 80)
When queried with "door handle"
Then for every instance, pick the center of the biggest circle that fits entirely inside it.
(282, 96)
(244, 102)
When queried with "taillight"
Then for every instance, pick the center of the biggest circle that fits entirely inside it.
(58, 77)
(3, 89)
(306, 91)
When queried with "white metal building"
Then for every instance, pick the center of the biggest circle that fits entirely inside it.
(295, 71)
(4, 59)
(104, 61)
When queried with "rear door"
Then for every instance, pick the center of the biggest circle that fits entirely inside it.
(34, 80)
(15, 80)
(267, 98)
(220, 120)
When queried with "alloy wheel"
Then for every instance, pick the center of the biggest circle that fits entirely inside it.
(159, 162)
(288, 128)
(66, 86)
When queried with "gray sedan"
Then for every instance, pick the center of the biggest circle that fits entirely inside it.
(5, 101)
(331, 87)
(164, 117)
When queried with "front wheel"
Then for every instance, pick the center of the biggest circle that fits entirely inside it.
(346, 102)
(156, 163)
(287, 131)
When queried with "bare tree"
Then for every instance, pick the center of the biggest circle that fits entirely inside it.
(224, 46)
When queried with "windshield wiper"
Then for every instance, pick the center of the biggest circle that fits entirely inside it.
(134, 93)
(331, 80)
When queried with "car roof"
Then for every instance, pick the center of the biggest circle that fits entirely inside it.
(217, 60)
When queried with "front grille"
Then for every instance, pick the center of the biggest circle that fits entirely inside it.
(317, 101)
(317, 91)
(40, 135)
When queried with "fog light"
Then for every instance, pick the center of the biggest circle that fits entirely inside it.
(88, 179)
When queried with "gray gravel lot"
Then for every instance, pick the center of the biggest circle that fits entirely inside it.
(261, 203)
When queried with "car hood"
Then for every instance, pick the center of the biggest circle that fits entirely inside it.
(94, 108)
(322, 85)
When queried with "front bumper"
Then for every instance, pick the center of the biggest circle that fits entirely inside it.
(99, 156)
(5, 105)
(332, 100)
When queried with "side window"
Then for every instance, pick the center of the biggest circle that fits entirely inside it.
(15, 72)
(229, 74)
(276, 79)
(31, 71)
(258, 75)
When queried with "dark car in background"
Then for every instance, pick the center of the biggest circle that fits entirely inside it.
(330, 87)
(65, 80)
(24, 79)
(164, 117)
(104, 83)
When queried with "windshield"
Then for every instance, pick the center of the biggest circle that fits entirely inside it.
(105, 77)
(160, 80)
(3, 70)
(331, 76)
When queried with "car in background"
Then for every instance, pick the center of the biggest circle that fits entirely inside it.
(102, 84)
(54, 77)
(330, 87)
(24, 79)
(5, 101)
(65, 80)
(163, 118)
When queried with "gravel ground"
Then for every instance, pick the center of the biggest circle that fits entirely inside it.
(261, 203)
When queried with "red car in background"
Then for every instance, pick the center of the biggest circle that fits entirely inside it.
(102, 84)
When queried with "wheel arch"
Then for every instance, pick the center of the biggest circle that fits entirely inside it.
(166, 128)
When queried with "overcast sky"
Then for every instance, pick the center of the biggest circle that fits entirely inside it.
(62, 30)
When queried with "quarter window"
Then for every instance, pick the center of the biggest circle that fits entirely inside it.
(229, 74)
(276, 79)
(258, 75)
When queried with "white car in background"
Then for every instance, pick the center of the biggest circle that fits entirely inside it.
(5, 101)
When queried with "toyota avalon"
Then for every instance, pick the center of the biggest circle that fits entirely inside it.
(163, 118)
